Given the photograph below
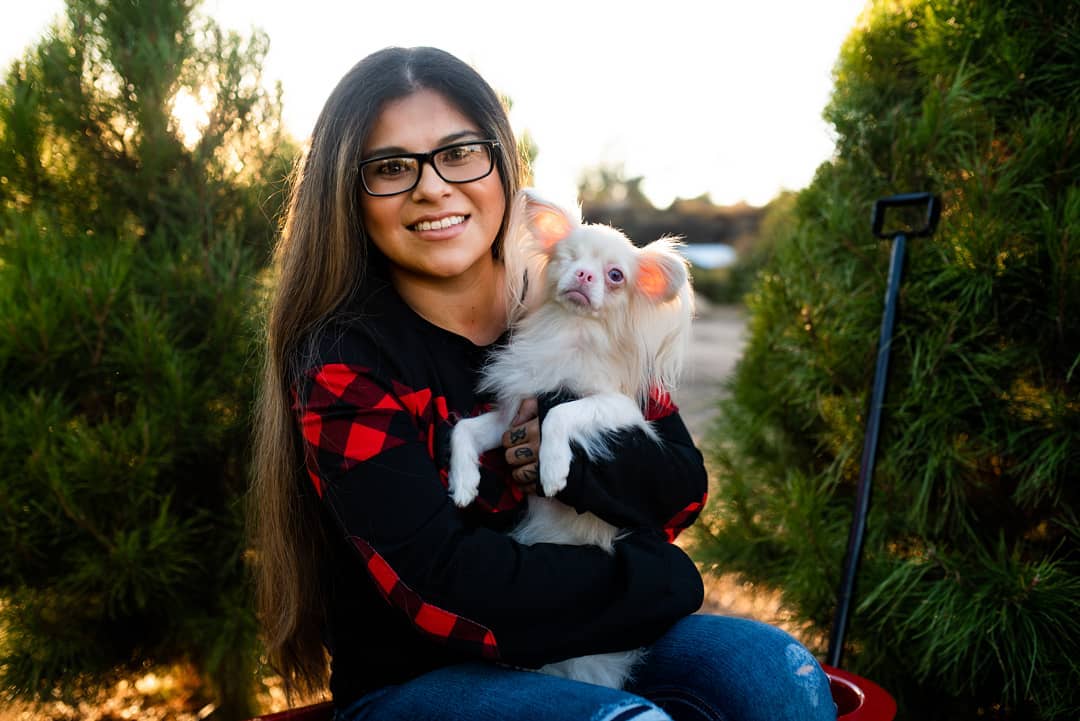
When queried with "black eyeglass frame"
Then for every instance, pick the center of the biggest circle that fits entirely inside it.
(428, 158)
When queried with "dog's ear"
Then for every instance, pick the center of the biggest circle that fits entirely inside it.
(534, 229)
(661, 271)
(547, 222)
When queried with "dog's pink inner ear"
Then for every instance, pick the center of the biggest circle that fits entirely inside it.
(548, 225)
(651, 281)
(658, 278)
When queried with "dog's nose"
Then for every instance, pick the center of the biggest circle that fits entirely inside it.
(585, 276)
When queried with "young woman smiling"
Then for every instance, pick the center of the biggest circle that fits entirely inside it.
(388, 296)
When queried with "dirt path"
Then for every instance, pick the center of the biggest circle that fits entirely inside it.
(715, 347)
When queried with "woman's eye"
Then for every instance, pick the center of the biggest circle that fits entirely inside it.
(615, 275)
(391, 167)
(459, 155)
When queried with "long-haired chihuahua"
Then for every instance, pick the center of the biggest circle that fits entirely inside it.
(594, 317)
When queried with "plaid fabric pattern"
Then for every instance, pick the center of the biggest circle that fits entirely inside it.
(361, 438)
(393, 418)
(432, 620)
(684, 519)
(659, 405)
(355, 441)
(502, 497)
(390, 419)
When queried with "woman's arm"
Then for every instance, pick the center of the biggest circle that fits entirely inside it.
(467, 585)
(644, 484)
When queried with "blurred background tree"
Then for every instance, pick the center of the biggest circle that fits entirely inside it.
(141, 172)
(753, 244)
(609, 185)
(969, 591)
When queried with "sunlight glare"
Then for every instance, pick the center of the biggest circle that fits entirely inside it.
(191, 115)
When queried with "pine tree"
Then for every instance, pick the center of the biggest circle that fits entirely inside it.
(130, 258)
(968, 597)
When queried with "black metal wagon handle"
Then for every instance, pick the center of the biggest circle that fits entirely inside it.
(877, 398)
(907, 200)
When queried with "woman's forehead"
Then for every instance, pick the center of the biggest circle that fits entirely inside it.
(417, 123)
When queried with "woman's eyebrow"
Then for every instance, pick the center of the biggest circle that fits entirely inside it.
(460, 135)
(445, 140)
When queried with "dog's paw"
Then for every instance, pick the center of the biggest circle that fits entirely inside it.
(464, 485)
(555, 461)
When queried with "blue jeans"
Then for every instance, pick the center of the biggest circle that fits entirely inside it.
(710, 668)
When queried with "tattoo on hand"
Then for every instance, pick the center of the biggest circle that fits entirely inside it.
(517, 434)
(523, 452)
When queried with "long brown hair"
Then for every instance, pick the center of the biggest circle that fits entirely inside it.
(320, 262)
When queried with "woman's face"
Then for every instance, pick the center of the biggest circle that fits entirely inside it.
(473, 212)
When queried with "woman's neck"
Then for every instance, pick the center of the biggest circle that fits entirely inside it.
(471, 305)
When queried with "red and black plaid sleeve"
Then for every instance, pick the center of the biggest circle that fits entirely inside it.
(348, 420)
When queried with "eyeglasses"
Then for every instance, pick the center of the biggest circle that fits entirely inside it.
(455, 163)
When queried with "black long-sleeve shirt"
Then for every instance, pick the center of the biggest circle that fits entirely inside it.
(416, 583)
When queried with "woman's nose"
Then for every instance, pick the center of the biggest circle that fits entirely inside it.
(430, 183)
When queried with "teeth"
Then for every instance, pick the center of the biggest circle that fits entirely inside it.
(440, 224)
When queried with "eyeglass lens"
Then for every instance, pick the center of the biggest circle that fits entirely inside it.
(460, 163)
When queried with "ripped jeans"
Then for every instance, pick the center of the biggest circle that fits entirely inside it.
(706, 668)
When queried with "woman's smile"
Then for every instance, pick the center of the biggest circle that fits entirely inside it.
(437, 224)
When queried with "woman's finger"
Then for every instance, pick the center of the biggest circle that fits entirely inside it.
(519, 437)
(525, 477)
(522, 454)
(527, 411)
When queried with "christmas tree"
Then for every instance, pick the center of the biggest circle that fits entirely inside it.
(968, 595)
(141, 160)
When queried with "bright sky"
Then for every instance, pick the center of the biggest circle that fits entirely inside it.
(718, 97)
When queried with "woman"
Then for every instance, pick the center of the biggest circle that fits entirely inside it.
(389, 294)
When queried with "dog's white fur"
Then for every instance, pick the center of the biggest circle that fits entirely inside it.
(601, 319)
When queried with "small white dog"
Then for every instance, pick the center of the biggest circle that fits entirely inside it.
(602, 320)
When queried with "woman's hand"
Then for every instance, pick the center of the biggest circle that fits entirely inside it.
(522, 444)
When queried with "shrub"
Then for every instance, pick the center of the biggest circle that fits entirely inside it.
(969, 588)
(129, 261)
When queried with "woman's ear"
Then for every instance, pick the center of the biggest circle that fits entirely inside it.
(547, 222)
(661, 271)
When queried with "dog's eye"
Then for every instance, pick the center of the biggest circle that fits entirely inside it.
(615, 275)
